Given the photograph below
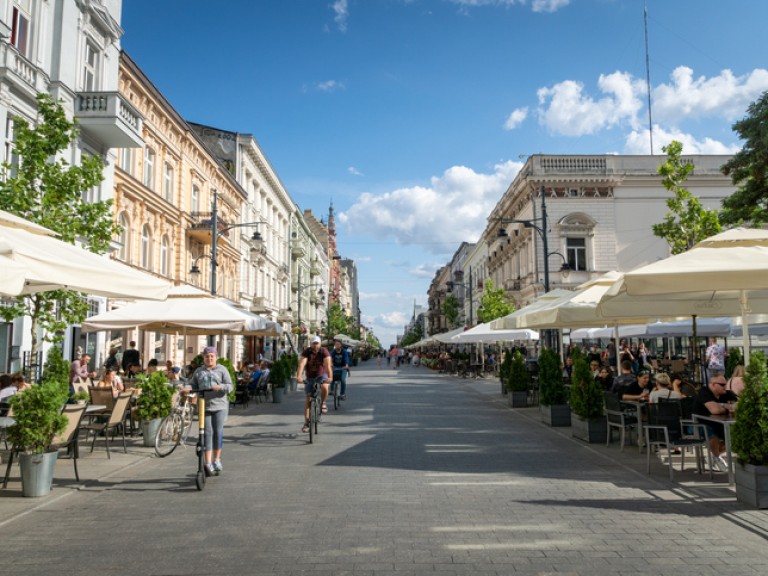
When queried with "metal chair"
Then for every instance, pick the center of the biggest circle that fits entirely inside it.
(116, 418)
(665, 429)
(617, 418)
(68, 438)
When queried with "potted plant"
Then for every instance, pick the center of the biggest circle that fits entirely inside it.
(749, 435)
(279, 373)
(80, 397)
(506, 364)
(232, 375)
(517, 384)
(293, 366)
(37, 412)
(153, 404)
(552, 394)
(587, 415)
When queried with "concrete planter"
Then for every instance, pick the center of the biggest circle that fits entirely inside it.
(149, 430)
(277, 394)
(752, 485)
(558, 415)
(518, 399)
(594, 431)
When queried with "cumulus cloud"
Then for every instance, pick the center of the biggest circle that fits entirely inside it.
(549, 5)
(341, 11)
(329, 86)
(724, 95)
(452, 209)
(425, 270)
(516, 118)
(566, 109)
(354, 171)
(637, 142)
(536, 6)
(391, 319)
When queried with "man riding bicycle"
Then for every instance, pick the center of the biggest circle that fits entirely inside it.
(317, 361)
(340, 363)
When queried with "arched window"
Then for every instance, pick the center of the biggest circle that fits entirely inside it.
(125, 238)
(149, 168)
(146, 247)
(164, 256)
(195, 203)
(577, 230)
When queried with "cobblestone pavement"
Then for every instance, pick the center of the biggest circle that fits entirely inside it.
(418, 473)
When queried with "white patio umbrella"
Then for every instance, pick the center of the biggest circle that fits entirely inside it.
(187, 310)
(445, 337)
(511, 321)
(725, 275)
(484, 333)
(628, 331)
(34, 261)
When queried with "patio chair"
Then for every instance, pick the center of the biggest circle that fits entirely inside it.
(617, 418)
(241, 395)
(101, 397)
(262, 387)
(68, 438)
(115, 420)
(665, 430)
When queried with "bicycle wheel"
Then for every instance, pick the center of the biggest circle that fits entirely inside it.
(317, 413)
(168, 435)
(336, 394)
(312, 403)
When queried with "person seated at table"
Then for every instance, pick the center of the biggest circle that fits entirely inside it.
(604, 378)
(686, 389)
(624, 380)
(133, 371)
(255, 374)
(110, 379)
(711, 400)
(6, 387)
(152, 366)
(663, 390)
(735, 383)
(639, 390)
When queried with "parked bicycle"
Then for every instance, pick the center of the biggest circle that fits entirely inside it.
(175, 427)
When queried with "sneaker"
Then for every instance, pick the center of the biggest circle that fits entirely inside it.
(343, 396)
(209, 470)
(719, 464)
(217, 465)
(724, 466)
(305, 430)
(324, 409)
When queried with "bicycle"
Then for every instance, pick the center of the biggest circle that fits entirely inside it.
(336, 390)
(175, 427)
(314, 409)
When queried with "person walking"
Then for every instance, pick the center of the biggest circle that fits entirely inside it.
(130, 357)
(214, 381)
(316, 360)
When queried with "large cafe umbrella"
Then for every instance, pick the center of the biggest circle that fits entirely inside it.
(725, 275)
(484, 333)
(33, 260)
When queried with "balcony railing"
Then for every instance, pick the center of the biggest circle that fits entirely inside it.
(110, 118)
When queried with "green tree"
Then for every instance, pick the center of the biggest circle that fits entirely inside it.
(44, 188)
(451, 311)
(495, 303)
(748, 169)
(687, 221)
(414, 335)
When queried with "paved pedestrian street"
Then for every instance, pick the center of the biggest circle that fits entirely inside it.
(418, 473)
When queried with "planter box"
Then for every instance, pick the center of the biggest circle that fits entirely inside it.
(149, 430)
(594, 431)
(752, 485)
(558, 415)
(277, 394)
(503, 386)
(518, 399)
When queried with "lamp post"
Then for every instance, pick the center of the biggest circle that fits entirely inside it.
(256, 238)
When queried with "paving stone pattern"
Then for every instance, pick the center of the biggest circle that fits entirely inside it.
(418, 473)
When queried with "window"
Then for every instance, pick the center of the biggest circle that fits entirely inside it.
(164, 256)
(10, 156)
(168, 182)
(195, 204)
(125, 161)
(576, 252)
(125, 238)
(149, 167)
(91, 67)
(20, 27)
(146, 247)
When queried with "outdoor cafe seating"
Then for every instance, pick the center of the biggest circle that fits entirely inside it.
(665, 429)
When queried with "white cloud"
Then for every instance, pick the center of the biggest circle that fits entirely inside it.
(392, 319)
(425, 270)
(354, 171)
(329, 86)
(549, 5)
(725, 95)
(452, 209)
(637, 142)
(565, 108)
(516, 118)
(341, 10)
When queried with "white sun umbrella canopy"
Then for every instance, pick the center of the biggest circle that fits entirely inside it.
(725, 275)
(511, 321)
(188, 310)
(628, 331)
(38, 262)
(445, 337)
(484, 333)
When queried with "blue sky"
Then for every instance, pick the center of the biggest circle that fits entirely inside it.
(412, 116)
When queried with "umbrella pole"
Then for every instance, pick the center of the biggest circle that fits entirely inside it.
(696, 367)
(745, 325)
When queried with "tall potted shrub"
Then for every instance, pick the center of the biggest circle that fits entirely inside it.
(279, 374)
(552, 394)
(37, 412)
(517, 384)
(749, 435)
(587, 415)
(506, 364)
(153, 404)
(293, 366)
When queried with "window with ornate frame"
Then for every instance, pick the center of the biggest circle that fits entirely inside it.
(125, 238)
(149, 167)
(577, 230)
(168, 182)
(146, 247)
(164, 255)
